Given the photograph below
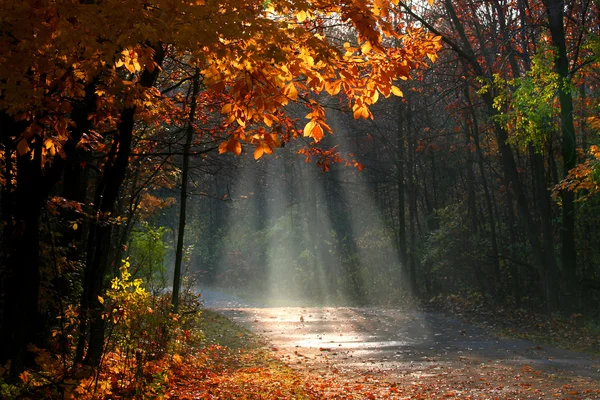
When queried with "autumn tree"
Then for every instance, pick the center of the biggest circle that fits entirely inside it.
(67, 81)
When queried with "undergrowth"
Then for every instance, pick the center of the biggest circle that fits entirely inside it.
(144, 342)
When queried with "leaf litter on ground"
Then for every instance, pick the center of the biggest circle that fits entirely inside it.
(236, 364)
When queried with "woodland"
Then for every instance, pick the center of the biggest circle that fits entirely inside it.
(342, 153)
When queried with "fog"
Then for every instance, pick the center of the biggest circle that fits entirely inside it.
(290, 233)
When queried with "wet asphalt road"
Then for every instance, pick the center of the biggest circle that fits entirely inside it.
(397, 342)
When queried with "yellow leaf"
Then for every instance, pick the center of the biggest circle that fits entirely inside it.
(308, 128)
(268, 119)
(301, 16)
(375, 97)
(75, 226)
(361, 111)
(100, 299)
(366, 47)
(291, 92)
(333, 88)
(177, 359)
(397, 92)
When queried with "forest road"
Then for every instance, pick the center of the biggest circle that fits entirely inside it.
(407, 346)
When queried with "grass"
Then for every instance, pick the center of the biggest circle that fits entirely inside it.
(233, 363)
(219, 330)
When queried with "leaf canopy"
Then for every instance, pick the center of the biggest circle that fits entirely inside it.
(259, 56)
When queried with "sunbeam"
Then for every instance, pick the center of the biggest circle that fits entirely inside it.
(296, 235)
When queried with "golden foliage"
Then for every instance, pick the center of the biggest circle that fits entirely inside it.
(584, 179)
(261, 56)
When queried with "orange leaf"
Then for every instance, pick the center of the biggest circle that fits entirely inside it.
(262, 148)
(232, 146)
(235, 147)
(333, 88)
(317, 133)
(226, 108)
(22, 147)
(258, 152)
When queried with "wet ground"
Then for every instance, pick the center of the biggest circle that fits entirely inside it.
(414, 347)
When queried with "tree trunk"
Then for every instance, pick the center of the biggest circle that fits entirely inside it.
(555, 12)
(99, 240)
(20, 320)
(488, 198)
(412, 212)
(23, 260)
(183, 193)
(401, 200)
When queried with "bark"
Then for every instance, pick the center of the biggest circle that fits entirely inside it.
(543, 255)
(401, 198)
(488, 198)
(555, 13)
(99, 241)
(21, 322)
(470, 183)
(185, 170)
(412, 212)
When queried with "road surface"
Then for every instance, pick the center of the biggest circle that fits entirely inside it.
(415, 347)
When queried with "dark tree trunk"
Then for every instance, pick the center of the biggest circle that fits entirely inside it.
(412, 212)
(470, 183)
(21, 210)
(99, 241)
(21, 322)
(183, 193)
(543, 253)
(488, 198)
(24, 262)
(555, 12)
(401, 199)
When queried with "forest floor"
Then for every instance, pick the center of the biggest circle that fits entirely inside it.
(356, 353)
